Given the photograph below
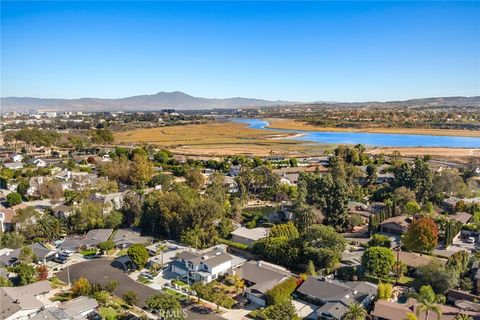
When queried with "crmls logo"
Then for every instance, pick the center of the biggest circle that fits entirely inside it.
(170, 314)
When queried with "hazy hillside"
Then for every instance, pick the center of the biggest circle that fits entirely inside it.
(181, 101)
(161, 100)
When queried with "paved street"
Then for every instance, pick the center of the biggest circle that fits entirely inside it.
(101, 271)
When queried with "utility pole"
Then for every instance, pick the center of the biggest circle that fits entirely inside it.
(68, 273)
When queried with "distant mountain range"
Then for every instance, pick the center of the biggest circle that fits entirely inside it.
(182, 101)
(162, 100)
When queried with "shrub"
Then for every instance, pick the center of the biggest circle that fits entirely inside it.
(379, 240)
(14, 198)
(233, 244)
(384, 291)
(281, 291)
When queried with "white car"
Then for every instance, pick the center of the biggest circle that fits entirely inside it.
(471, 240)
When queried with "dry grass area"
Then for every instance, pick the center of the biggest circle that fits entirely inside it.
(222, 138)
(300, 125)
(447, 154)
(228, 138)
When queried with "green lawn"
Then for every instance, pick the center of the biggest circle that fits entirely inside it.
(107, 313)
(178, 295)
(179, 283)
(122, 252)
(89, 252)
(144, 280)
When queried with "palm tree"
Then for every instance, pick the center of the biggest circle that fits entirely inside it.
(356, 312)
(462, 316)
(428, 302)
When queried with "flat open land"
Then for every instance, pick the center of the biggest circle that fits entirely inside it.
(300, 125)
(219, 138)
(228, 138)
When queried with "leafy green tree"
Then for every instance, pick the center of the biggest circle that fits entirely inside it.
(106, 246)
(194, 178)
(141, 171)
(110, 286)
(323, 245)
(304, 216)
(14, 198)
(102, 296)
(284, 230)
(379, 240)
(132, 209)
(167, 304)
(428, 302)
(225, 227)
(280, 311)
(422, 235)
(434, 274)
(12, 240)
(113, 219)
(458, 261)
(26, 273)
(402, 196)
(280, 250)
(81, 287)
(412, 208)
(22, 188)
(130, 298)
(138, 254)
(378, 261)
(311, 268)
(27, 255)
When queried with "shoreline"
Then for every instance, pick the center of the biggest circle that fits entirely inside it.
(291, 124)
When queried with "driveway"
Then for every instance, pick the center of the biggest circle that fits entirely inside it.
(101, 271)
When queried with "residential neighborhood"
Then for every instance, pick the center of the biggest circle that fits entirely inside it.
(237, 237)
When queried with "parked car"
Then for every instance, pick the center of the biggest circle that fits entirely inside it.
(60, 260)
(471, 240)
(241, 303)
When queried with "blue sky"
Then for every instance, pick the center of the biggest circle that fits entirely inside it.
(308, 51)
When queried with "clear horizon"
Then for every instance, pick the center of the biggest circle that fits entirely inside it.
(307, 51)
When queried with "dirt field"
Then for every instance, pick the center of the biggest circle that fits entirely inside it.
(292, 124)
(225, 138)
(447, 154)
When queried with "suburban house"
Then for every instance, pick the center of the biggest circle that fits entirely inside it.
(22, 302)
(91, 239)
(62, 211)
(78, 308)
(41, 252)
(17, 158)
(249, 236)
(335, 296)
(259, 277)
(39, 163)
(415, 260)
(206, 265)
(13, 165)
(386, 310)
(109, 201)
(395, 225)
(6, 218)
(124, 238)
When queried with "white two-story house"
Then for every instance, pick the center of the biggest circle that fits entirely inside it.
(204, 266)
